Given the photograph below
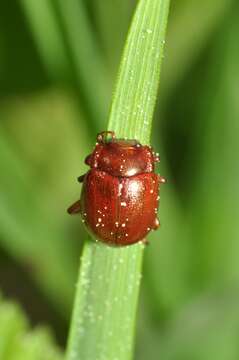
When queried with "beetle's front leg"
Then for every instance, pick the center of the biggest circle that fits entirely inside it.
(74, 208)
(81, 178)
(156, 224)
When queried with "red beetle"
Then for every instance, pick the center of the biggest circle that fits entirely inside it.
(120, 194)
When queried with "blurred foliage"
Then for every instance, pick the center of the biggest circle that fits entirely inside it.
(58, 61)
(18, 343)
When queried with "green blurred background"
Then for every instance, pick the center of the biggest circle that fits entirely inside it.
(58, 65)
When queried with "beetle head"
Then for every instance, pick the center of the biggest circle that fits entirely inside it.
(120, 157)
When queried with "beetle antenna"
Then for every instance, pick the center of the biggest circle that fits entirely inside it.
(102, 137)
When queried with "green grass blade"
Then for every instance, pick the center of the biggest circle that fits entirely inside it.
(137, 85)
(44, 26)
(106, 299)
(216, 218)
(69, 51)
(90, 71)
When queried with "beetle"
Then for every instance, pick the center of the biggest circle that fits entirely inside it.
(120, 194)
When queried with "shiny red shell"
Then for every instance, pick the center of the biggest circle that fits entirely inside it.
(120, 194)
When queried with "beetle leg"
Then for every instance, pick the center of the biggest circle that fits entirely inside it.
(81, 178)
(162, 179)
(88, 159)
(74, 208)
(145, 241)
(156, 224)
